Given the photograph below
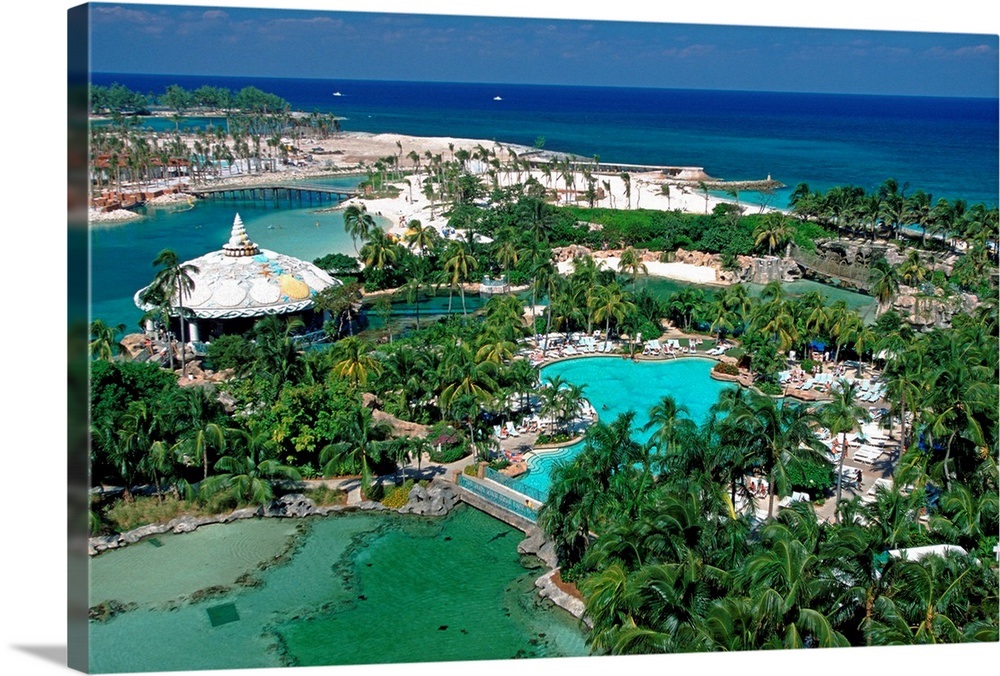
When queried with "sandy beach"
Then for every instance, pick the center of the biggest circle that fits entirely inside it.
(685, 272)
(352, 151)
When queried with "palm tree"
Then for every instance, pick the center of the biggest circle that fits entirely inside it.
(965, 518)
(378, 251)
(884, 281)
(465, 377)
(610, 303)
(685, 304)
(631, 263)
(912, 271)
(495, 348)
(506, 250)
(458, 263)
(569, 510)
(842, 415)
(704, 189)
(773, 229)
(421, 237)
(927, 602)
(779, 434)
(201, 433)
(124, 457)
(104, 342)
(669, 423)
(354, 361)
(174, 281)
(411, 291)
(785, 581)
(960, 392)
(918, 209)
(358, 223)
(627, 180)
(251, 472)
(363, 440)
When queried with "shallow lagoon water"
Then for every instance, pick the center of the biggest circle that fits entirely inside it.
(348, 589)
(615, 385)
(122, 253)
(661, 288)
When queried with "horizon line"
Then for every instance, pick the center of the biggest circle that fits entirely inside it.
(995, 98)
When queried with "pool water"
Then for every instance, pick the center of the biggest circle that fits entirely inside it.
(357, 588)
(615, 385)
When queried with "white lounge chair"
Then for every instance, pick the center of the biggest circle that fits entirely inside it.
(867, 455)
(886, 484)
(511, 430)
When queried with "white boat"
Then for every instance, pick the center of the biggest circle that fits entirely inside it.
(497, 98)
(337, 94)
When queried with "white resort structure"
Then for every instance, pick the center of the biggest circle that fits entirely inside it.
(240, 283)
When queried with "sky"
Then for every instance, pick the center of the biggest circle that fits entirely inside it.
(228, 38)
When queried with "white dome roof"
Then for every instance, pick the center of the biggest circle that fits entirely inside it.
(243, 280)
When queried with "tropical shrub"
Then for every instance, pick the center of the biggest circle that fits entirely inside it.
(227, 352)
(398, 496)
(447, 444)
(323, 495)
(770, 388)
(725, 368)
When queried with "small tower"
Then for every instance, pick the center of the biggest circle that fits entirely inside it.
(239, 243)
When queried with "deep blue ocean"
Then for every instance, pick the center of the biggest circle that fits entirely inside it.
(947, 147)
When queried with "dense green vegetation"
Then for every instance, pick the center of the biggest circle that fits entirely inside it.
(673, 568)
(651, 533)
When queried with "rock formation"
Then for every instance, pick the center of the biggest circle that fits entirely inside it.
(435, 500)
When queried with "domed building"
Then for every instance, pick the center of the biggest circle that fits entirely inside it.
(240, 283)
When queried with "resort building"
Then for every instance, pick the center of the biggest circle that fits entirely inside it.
(240, 283)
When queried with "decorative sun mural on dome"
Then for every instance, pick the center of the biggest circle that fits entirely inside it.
(243, 280)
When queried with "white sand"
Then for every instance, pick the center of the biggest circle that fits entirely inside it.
(645, 188)
(350, 149)
(685, 272)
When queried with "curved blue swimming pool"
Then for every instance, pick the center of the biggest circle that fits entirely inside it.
(615, 385)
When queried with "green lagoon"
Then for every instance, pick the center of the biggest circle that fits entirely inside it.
(356, 588)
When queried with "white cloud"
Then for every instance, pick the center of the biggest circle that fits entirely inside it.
(959, 52)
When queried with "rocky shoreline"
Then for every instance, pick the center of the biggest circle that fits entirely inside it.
(116, 216)
(437, 499)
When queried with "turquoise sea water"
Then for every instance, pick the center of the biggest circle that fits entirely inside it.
(349, 589)
(615, 385)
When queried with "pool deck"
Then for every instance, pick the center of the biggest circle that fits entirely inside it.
(554, 356)
(881, 469)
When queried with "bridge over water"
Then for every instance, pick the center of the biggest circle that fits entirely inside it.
(302, 192)
(855, 275)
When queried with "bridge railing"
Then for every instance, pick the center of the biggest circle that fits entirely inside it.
(859, 275)
(298, 186)
(497, 498)
(515, 485)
